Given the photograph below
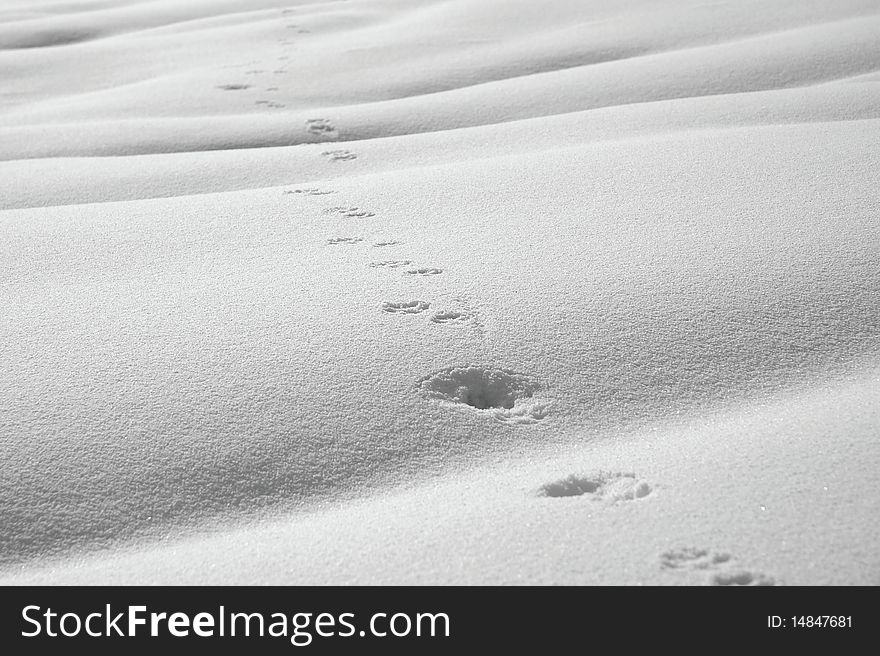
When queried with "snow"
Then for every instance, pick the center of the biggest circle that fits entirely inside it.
(496, 292)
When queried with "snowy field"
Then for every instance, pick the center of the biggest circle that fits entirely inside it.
(440, 291)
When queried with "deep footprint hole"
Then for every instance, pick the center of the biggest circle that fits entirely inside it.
(483, 388)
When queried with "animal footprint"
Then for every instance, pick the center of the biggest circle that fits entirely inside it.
(350, 212)
(603, 486)
(339, 155)
(692, 558)
(720, 568)
(392, 242)
(391, 264)
(310, 191)
(507, 395)
(344, 240)
(450, 316)
(234, 87)
(405, 307)
(255, 71)
(425, 271)
(320, 127)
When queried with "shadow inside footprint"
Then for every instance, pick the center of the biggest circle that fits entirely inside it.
(479, 387)
(405, 307)
(573, 486)
(390, 264)
(741, 578)
(604, 485)
(449, 316)
(339, 155)
(692, 558)
(344, 240)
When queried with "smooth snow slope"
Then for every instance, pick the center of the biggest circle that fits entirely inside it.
(468, 292)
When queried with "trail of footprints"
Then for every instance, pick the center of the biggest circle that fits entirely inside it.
(507, 396)
(317, 127)
(513, 398)
(408, 267)
(320, 128)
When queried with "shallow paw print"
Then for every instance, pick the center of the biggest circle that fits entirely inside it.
(717, 568)
(344, 240)
(450, 317)
(390, 264)
(339, 155)
(350, 212)
(405, 307)
(424, 271)
(310, 191)
(320, 127)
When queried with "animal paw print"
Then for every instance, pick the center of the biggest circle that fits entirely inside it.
(692, 558)
(320, 127)
(310, 191)
(391, 264)
(344, 240)
(424, 271)
(405, 307)
(350, 212)
(507, 396)
(450, 316)
(717, 568)
(339, 155)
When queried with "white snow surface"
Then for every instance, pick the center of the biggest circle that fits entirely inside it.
(440, 291)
